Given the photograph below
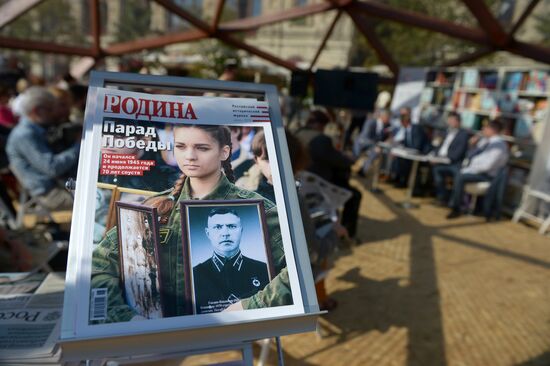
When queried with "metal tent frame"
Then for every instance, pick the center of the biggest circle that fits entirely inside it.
(489, 35)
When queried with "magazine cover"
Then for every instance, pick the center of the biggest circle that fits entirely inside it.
(179, 218)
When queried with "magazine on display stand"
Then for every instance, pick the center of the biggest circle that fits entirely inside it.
(162, 238)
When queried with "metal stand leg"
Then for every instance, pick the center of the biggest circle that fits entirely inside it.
(280, 351)
(376, 176)
(248, 357)
(264, 353)
(408, 204)
(473, 204)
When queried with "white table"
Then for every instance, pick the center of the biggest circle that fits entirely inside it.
(416, 158)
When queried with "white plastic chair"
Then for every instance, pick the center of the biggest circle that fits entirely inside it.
(475, 190)
(523, 209)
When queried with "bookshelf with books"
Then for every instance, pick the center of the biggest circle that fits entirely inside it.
(517, 97)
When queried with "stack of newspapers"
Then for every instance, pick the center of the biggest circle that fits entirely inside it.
(30, 317)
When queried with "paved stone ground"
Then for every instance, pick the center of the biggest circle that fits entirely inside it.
(422, 291)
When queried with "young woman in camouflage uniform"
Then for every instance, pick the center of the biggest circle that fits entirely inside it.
(202, 152)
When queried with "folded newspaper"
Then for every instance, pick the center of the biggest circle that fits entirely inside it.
(30, 322)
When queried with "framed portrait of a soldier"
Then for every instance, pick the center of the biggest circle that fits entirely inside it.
(226, 252)
(206, 244)
(138, 253)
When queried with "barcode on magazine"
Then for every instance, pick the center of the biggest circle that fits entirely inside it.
(98, 306)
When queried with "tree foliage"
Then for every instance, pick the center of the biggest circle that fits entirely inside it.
(50, 21)
(543, 26)
(135, 21)
(411, 46)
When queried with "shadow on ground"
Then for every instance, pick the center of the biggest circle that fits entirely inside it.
(412, 303)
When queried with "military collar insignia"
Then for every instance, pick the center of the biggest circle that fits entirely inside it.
(219, 261)
(164, 234)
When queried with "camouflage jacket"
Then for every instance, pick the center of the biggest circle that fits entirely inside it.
(106, 271)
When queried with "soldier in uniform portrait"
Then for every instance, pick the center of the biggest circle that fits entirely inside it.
(228, 275)
(203, 154)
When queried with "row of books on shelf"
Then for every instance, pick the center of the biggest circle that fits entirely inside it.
(437, 96)
(534, 81)
(473, 78)
(508, 103)
(441, 77)
(486, 102)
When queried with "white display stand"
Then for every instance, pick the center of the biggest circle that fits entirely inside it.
(535, 193)
(408, 90)
(174, 343)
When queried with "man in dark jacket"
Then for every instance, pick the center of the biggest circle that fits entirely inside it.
(411, 136)
(228, 276)
(330, 164)
(453, 147)
(374, 131)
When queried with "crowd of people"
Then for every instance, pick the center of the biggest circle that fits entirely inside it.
(40, 132)
(462, 156)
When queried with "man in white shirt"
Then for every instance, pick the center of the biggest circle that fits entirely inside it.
(453, 147)
(484, 162)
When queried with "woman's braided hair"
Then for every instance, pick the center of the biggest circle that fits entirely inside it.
(165, 204)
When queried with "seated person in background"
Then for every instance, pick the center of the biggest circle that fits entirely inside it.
(258, 177)
(320, 247)
(259, 149)
(240, 158)
(453, 147)
(32, 160)
(411, 136)
(374, 130)
(358, 118)
(330, 164)
(489, 155)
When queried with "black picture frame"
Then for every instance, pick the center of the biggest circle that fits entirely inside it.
(185, 206)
